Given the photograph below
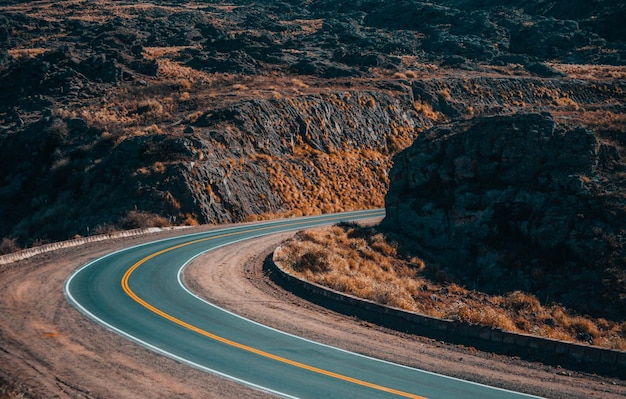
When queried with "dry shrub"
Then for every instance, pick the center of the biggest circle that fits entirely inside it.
(153, 129)
(24, 53)
(582, 325)
(139, 219)
(193, 117)
(417, 263)
(357, 266)
(104, 229)
(521, 301)
(159, 167)
(383, 246)
(567, 103)
(456, 289)
(482, 315)
(360, 261)
(411, 74)
(400, 75)
(299, 83)
(8, 245)
(190, 220)
(315, 261)
(149, 108)
(184, 84)
(426, 110)
(445, 94)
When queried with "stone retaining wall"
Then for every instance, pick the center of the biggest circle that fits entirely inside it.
(27, 253)
(567, 354)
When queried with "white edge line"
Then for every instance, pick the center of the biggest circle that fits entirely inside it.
(182, 284)
(149, 346)
(156, 349)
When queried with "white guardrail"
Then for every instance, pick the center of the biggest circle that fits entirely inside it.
(30, 252)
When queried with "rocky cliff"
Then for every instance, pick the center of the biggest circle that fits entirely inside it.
(517, 202)
(116, 115)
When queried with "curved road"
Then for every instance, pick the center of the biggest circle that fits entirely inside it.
(138, 293)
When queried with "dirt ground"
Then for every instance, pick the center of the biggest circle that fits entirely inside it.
(48, 349)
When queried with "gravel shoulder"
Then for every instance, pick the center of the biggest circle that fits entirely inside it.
(48, 349)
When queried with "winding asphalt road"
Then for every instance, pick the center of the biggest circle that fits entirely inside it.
(138, 293)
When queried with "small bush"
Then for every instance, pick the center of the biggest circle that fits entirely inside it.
(411, 74)
(567, 103)
(582, 325)
(521, 301)
(150, 108)
(315, 261)
(299, 83)
(360, 261)
(426, 110)
(400, 75)
(8, 245)
(139, 220)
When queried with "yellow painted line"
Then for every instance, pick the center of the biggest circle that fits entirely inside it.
(229, 342)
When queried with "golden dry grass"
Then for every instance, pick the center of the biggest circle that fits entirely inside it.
(330, 182)
(362, 263)
(20, 53)
(427, 111)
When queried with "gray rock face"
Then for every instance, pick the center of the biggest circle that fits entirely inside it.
(515, 202)
(268, 136)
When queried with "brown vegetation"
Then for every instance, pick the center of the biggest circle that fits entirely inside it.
(137, 220)
(362, 262)
(8, 245)
(302, 152)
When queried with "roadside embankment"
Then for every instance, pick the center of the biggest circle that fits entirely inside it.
(566, 354)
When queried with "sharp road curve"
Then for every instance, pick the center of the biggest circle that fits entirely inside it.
(138, 293)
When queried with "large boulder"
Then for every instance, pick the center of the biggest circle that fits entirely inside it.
(516, 202)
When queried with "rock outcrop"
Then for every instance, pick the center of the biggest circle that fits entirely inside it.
(201, 112)
(517, 202)
(303, 155)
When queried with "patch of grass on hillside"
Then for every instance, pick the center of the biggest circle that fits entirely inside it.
(312, 182)
(360, 261)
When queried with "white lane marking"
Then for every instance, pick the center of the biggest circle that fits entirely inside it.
(83, 310)
(184, 287)
(154, 348)
(87, 313)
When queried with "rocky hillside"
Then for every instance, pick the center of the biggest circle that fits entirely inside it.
(125, 114)
(517, 202)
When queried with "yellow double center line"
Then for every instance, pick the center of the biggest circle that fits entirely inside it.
(136, 298)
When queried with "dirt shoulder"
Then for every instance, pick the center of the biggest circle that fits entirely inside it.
(235, 280)
(48, 349)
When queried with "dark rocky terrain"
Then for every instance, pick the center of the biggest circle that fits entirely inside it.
(118, 115)
(518, 202)
(122, 114)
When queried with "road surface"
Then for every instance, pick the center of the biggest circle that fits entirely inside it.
(138, 293)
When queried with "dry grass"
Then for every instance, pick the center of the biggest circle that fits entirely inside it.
(138, 219)
(21, 53)
(591, 72)
(361, 262)
(426, 110)
(158, 52)
(299, 27)
(311, 182)
(8, 245)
